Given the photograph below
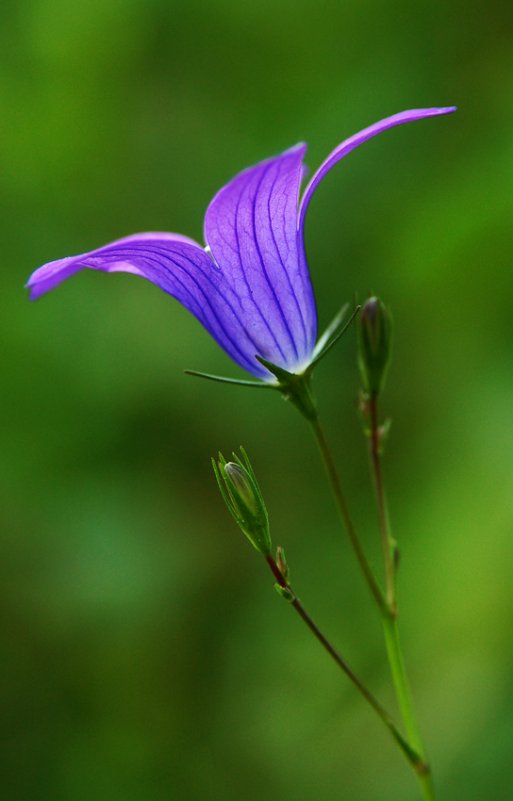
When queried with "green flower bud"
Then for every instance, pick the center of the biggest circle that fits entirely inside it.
(241, 494)
(241, 484)
(374, 344)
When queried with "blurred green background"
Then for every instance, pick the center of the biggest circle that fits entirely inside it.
(144, 652)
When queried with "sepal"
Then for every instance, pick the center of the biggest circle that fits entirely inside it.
(221, 379)
(285, 593)
(336, 329)
(295, 387)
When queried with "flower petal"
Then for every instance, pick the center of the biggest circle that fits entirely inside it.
(251, 229)
(354, 141)
(180, 267)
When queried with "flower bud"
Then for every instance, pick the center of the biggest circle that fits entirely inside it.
(374, 344)
(241, 484)
(242, 496)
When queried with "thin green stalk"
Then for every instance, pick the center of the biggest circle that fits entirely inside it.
(414, 759)
(343, 509)
(389, 615)
(301, 395)
(384, 527)
(401, 684)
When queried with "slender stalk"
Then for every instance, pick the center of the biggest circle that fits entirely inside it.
(384, 527)
(414, 759)
(389, 616)
(401, 684)
(343, 509)
(387, 610)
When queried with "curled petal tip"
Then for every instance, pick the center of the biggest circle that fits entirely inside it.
(345, 147)
(435, 111)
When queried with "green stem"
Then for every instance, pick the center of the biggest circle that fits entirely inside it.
(389, 616)
(405, 701)
(384, 527)
(414, 759)
(345, 515)
(386, 605)
(402, 687)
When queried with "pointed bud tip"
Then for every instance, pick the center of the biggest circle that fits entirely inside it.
(239, 477)
(374, 343)
(370, 308)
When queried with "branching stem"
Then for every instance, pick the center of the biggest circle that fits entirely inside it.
(386, 605)
(411, 755)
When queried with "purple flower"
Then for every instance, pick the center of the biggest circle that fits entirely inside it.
(250, 287)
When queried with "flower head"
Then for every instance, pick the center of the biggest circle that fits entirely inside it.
(250, 286)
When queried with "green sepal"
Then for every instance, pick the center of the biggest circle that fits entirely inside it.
(330, 330)
(224, 380)
(285, 593)
(283, 376)
(336, 329)
(220, 483)
(295, 387)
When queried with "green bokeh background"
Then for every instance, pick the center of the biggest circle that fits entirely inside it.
(144, 652)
